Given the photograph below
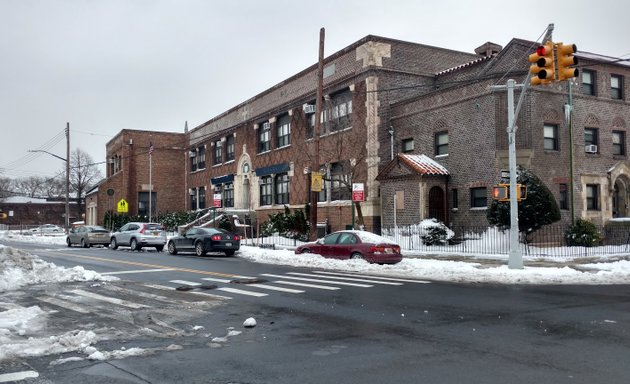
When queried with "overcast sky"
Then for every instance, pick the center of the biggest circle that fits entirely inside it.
(107, 65)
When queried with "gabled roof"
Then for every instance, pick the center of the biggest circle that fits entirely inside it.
(418, 164)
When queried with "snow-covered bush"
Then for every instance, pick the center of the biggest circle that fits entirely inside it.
(433, 232)
(583, 233)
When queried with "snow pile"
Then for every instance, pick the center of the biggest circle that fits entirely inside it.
(452, 271)
(18, 268)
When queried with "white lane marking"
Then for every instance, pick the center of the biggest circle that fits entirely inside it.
(171, 289)
(242, 292)
(191, 283)
(306, 285)
(17, 376)
(262, 286)
(63, 304)
(344, 278)
(318, 281)
(272, 288)
(373, 277)
(147, 295)
(108, 299)
(138, 271)
(226, 281)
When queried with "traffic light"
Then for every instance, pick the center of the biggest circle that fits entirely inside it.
(501, 192)
(566, 59)
(543, 69)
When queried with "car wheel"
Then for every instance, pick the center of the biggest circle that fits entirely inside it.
(83, 243)
(113, 244)
(134, 245)
(68, 242)
(305, 250)
(229, 253)
(171, 248)
(199, 251)
(356, 256)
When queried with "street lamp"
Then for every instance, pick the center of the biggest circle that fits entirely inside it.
(67, 160)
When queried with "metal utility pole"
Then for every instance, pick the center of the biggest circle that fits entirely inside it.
(68, 176)
(318, 113)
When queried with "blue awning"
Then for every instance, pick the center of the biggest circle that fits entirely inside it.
(277, 168)
(222, 179)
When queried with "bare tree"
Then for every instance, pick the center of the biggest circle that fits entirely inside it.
(33, 186)
(84, 174)
(6, 187)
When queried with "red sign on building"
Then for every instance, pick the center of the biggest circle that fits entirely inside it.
(217, 200)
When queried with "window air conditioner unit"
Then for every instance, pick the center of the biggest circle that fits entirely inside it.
(590, 148)
(266, 126)
(308, 108)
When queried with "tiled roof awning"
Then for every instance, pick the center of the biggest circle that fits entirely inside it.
(423, 164)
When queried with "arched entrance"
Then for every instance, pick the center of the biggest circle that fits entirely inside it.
(436, 204)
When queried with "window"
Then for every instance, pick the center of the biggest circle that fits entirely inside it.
(337, 112)
(229, 148)
(193, 159)
(588, 82)
(616, 87)
(339, 183)
(455, 198)
(310, 128)
(619, 143)
(564, 197)
(218, 152)
(283, 131)
(282, 188)
(227, 196)
(266, 187)
(478, 197)
(407, 145)
(592, 197)
(551, 137)
(201, 158)
(193, 199)
(264, 138)
(143, 203)
(202, 197)
(590, 136)
(441, 143)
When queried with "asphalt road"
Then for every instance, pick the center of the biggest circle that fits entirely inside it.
(365, 330)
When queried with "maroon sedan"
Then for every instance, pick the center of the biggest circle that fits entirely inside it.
(354, 245)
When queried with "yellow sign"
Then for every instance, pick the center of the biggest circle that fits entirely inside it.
(316, 182)
(123, 206)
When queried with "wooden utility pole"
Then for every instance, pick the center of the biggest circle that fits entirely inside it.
(318, 114)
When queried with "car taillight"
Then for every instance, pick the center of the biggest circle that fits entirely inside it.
(377, 249)
(236, 238)
(216, 237)
(142, 230)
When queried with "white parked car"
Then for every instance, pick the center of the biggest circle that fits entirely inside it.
(138, 235)
(48, 228)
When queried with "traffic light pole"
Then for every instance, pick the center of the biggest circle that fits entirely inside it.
(515, 260)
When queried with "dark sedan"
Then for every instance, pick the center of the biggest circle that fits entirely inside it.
(354, 245)
(202, 240)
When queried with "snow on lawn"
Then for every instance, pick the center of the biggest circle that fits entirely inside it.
(452, 271)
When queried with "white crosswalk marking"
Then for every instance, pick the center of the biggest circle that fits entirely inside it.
(318, 281)
(226, 281)
(242, 292)
(166, 288)
(17, 376)
(272, 288)
(63, 304)
(327, 287)
(108, 299)
(344, 278)
(373, 277)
